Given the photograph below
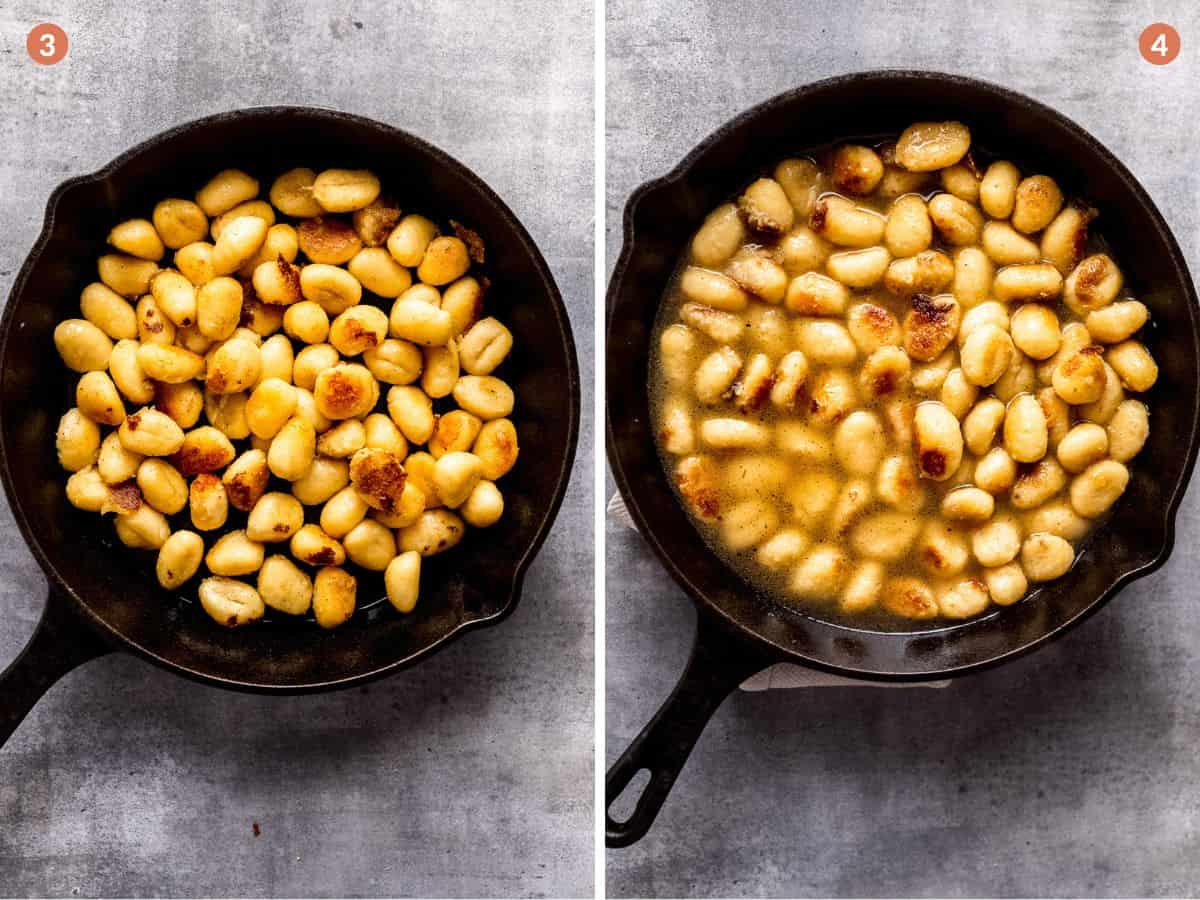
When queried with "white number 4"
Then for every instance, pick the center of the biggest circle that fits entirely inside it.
(1159, 46)
(48, 45)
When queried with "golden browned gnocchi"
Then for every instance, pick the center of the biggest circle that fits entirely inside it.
(228, 409)
(886, 380)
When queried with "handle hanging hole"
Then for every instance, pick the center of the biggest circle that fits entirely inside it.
(625, 803)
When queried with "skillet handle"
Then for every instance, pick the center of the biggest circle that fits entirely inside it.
(61, 642)
(720, 661)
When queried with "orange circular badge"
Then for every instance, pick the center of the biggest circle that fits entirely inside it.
(46, 44)
(1159, 44)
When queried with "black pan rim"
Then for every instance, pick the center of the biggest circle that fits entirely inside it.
(1009, 96)
(441, 158)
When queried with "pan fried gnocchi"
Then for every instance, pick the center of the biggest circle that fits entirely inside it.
(892, 381)
(275, 392)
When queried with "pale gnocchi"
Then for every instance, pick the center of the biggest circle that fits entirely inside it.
(890, 381)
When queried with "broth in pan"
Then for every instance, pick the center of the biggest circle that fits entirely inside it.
(893, 384)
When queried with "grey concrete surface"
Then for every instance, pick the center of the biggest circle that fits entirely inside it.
(1072, 772)
(468, 776)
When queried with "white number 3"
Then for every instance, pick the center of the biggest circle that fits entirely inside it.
(48, 45)
(1159, 46)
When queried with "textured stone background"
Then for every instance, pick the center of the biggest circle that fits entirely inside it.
(1072, 772)
(470, 775)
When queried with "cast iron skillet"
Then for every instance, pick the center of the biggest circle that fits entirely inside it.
(739, 633)
(104, 596)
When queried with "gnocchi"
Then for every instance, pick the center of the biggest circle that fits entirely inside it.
(886, 381)
(229, 357)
